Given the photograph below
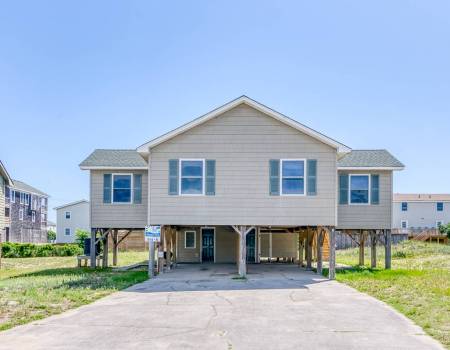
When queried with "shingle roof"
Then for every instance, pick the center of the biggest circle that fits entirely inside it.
(369, 159)
(71, 203)
(421, 197)
(22, 186)
(114, 158)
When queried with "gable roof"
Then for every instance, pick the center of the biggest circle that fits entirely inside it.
(254, 104)
(22, 186)
(421, 197)
(114, 159)
(4, 173)
(70, 204)
(369, 159)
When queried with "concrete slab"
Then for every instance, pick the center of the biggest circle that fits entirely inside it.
(203, 307)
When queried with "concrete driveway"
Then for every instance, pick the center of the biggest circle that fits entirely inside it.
(203, 307)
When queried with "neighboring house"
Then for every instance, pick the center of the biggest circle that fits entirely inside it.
(419, 212)
(5, 181)
(71, 217)
(51, 226)
(27, 213)
(241, 184)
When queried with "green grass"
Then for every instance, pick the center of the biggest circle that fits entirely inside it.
(418, 284)
(34, 288)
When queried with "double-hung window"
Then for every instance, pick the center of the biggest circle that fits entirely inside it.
(67, 214)
(292, 179)
(440, 206)
(404, 224)
(404, 206)
(189, 239)
(20, 214)
(192, 176)
(12, 196)
(67, 231)
(121, 189)
(359, 189)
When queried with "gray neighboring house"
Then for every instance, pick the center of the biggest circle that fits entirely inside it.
(5, 181)
(243, 184)
(71, 217)
(414, 213)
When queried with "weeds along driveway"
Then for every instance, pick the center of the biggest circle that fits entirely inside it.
(203, 307)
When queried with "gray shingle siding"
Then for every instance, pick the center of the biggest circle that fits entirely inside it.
(369, 158)
(114, 158)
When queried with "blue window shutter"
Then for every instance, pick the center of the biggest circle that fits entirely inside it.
(173, 177)
(375, 189)
(274, 186)
(107, 188)
(137, 188)
(343, 189)
(210, 177)
(312, 177)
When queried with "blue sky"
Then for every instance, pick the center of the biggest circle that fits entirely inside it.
(80, 75)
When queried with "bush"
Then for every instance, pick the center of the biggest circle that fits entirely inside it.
(80, 236)
(29, 250)
(51, 236)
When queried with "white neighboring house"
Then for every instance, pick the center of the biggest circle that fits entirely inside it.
(51, 226)
(71, 217)
(418, 212)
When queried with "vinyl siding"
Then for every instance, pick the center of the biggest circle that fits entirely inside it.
(370, 216)
(116, 215)
(79, 219)
(242, 141)
(420, 214)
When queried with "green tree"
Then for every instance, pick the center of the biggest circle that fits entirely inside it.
(445, 229)
(80, 235)
(51, 236)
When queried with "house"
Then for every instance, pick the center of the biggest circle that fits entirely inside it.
(418, 212)
(243, 184)
(5, 181)
(71, 217)
(51, 226)
(26, 213)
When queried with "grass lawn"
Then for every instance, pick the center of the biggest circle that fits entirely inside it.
(418, 284)
(34, 288)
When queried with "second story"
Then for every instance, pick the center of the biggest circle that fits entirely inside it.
(71, 217)
(417, 212)
(241, 164)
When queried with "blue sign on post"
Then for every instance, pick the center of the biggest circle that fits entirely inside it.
(153, 233)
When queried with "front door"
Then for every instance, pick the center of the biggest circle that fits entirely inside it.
(207, 245)
(250, 241)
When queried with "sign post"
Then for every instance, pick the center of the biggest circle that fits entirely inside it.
(152, 234)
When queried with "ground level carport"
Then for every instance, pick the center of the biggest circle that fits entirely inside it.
(202, 307)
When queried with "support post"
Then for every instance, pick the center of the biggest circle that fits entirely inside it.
(242, 252)
(361, 248)
(160, 251)
(115, 239)
(301, 248)
(320, 235)
(373, 249)
(332, 257)
(166, 250)
(387, 257)
(309, 249)
(93, 257)
(151, 258)
(105, 251)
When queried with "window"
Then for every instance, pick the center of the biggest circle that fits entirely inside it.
(27, 199)
(67, 214)
(33, 216)
(33, 203)
(21, 214)
(121, 191)
(12, 196)
(440, 206)
(7, 212)
(404, 206)
(192, 176)
(22, 197)
(439, 223)
(67, 231)
(292, 177)
(359, 189)
(189, 239)
(404, 224)
(42, 202)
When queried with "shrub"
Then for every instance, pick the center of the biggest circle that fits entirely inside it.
(28, 250)
(51, 236)
(80, 236)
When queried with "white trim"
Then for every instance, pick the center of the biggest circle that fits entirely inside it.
(401, 224)
(20, 214)
(12, 198)
(256, 105)
(112, 168)
(201, 241)
(304, 178)
(203, 177)
(350, 188)
(65, 215)
(195, 239)
(369, 168)
(131, 189)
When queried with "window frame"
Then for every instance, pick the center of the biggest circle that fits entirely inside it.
(21, 214)
(180, 161)
(350, 189)
(12, 196)
(304, 177)
(70, 215)
(65, 231)
(437, 206)
(401, 224)
(402, 206)
(195, 239)
(131, 188)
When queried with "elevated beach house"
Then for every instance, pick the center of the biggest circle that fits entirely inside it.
(243, 184)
